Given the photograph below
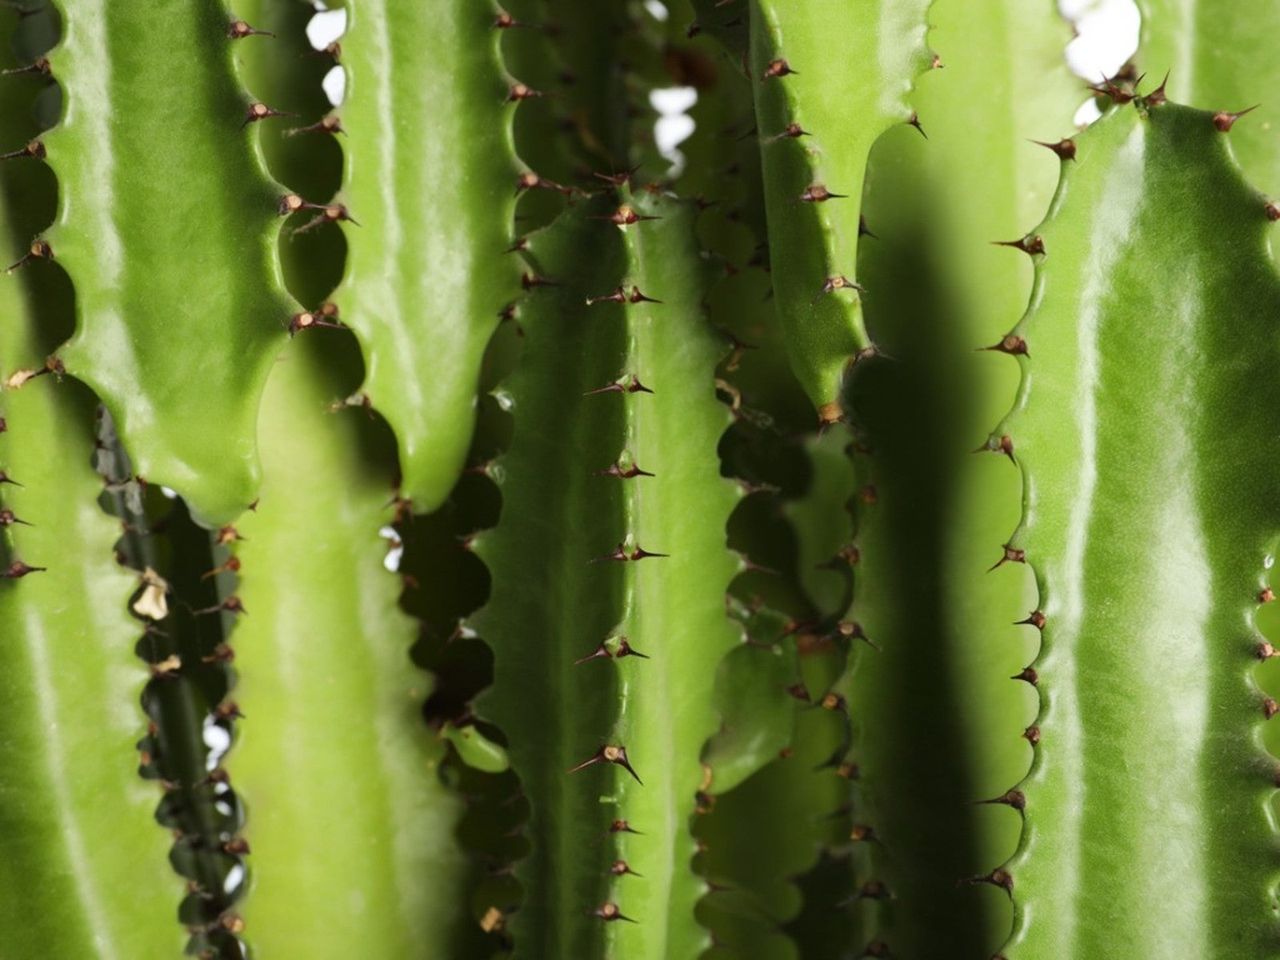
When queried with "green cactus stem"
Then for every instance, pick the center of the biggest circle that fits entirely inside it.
(432, 173)
(1150, 525)
(613, 678)
(167, 225)
(814, 147)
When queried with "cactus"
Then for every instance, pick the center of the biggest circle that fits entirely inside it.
(416, 505)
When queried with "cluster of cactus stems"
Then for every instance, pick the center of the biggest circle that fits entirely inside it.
(450, 524)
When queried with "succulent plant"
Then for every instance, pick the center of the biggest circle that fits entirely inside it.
(457, 520)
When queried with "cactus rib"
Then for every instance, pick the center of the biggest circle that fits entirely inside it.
(1145, 518)
(167, 226)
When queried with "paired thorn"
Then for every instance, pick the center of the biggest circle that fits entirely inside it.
(998, 878)
(329, 213)
(1030, 245)
(17, 570)
(627, 384)
(532, 181)
(1065, 149)
(624, 469)
(326, 124)
(40, 65)
(625, 216)
(1157, 97)
(777, 68)
(521, 91)
(39, 250)
(852, 630)
(307, 320)
(818, 193)
(1035, 619)
(621, 553)
(239, 29)
(8, 518)
(1003, 444)
(1011, 344)
(621, 295)
(791, 131)
(260, 111)
(609, 754)
(1224, 121)
(1010, 798)
(610, 648)
(34, 149)
(1011, 555)
(838, 282)
(1117, 95)
(610, 911)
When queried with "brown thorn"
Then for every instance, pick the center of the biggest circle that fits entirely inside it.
(1272, 210)
(1158, 96)
(327, 124)
(1225, 121)
(1030, 245)
(1266, 595)
(998, 878)
(257, 111)
(863, 229)
(40, 66)
(622, 826)
(1270, 708)
(609, 754)
(777, 68)
(1011, 344)
(1010, 798)
(239, 29)
(520, 91)
(1117, 95)
(1035, 619)
(17, 570)
(609, 912)
(34, 149)
(1011, 555)
(620, 868)
(1031, 735)
(1065, 149)
(1028, 675)
(39, 250)
(8, 519)
(818, 193)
